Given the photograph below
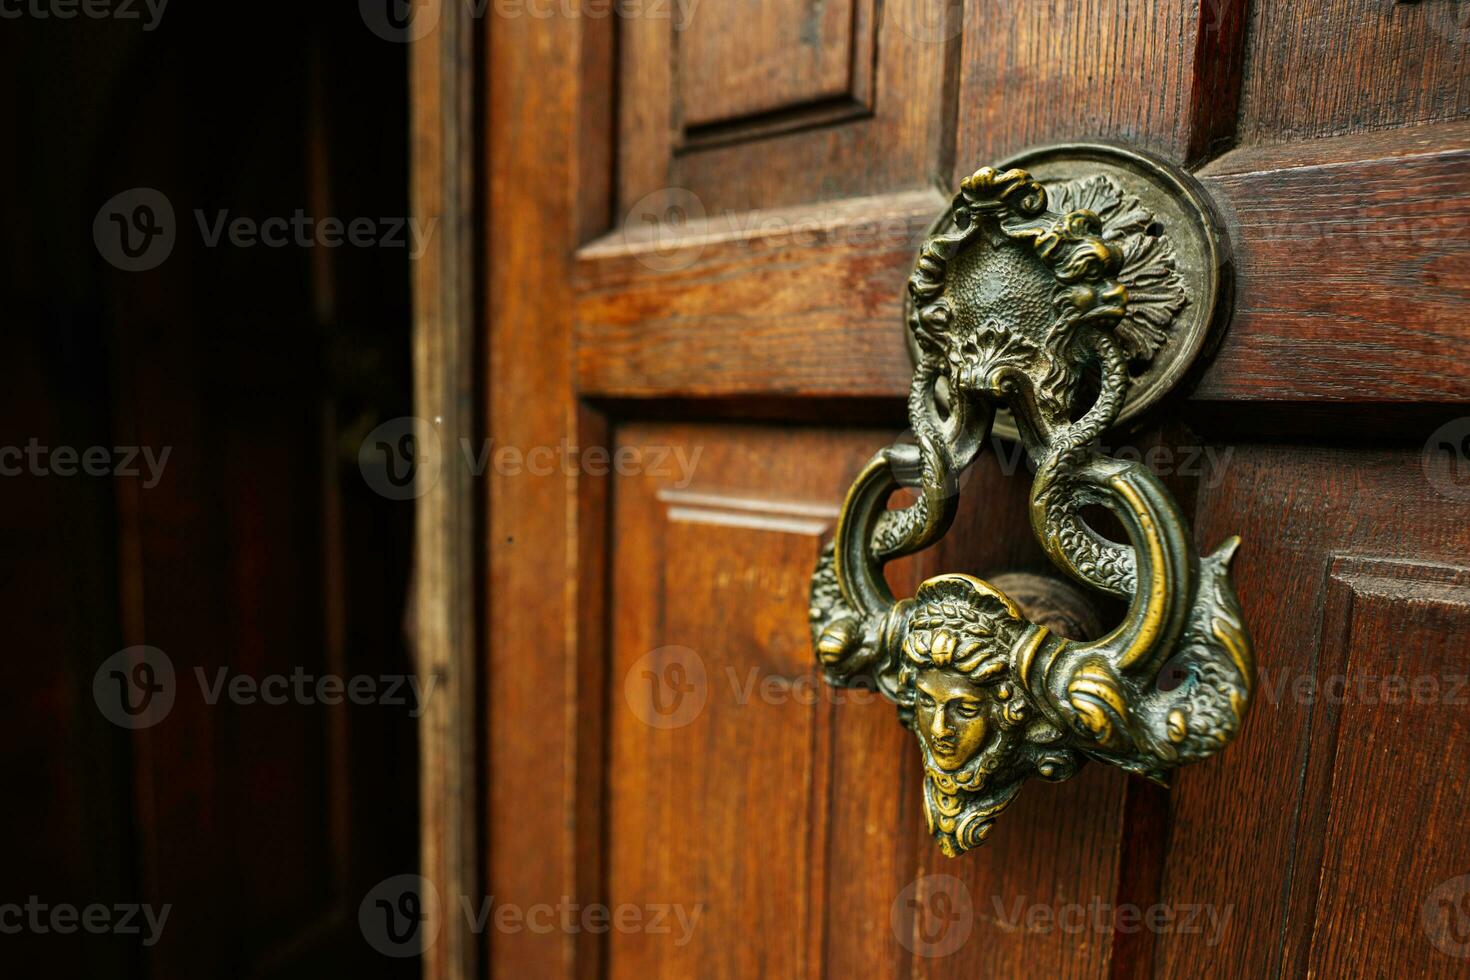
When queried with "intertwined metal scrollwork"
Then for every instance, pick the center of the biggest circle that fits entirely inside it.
(1036, 298)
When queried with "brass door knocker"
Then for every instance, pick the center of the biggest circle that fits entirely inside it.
(1073, 293)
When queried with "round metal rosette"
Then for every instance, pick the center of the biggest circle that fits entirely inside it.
(1138, 197)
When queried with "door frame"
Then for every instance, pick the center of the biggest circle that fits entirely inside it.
(443, 624)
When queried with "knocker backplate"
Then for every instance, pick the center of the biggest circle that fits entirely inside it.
(1163, 201)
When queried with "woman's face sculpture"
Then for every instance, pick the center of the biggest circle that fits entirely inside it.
(951, 716)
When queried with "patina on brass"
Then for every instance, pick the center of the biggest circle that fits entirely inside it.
(1070, 294)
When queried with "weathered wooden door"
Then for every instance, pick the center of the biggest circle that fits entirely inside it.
(700, 217)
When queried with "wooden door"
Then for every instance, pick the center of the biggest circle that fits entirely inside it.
(699, 220)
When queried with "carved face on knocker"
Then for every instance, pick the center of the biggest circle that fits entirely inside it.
(951, 716)
(980, 734)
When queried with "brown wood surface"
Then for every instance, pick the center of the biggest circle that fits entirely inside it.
(534, 687)
(1160, 76)
(769, 286)
(745, 839)
(1248, 829)
(899, 141)
(447, 522)
(1336, 67)
(781, 56)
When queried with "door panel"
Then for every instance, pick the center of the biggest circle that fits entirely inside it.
(755, 105)
(1323, 614)
(721, 267)
(706, 572)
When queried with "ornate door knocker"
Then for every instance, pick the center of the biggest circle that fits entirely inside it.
(1073, 293)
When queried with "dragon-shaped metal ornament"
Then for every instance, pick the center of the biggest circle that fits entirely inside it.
(1072, 298)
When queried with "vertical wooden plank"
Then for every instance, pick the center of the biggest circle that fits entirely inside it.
(546, 170)
(1393, 886)
(442, 70)
(1333, 67)
(1162, 76)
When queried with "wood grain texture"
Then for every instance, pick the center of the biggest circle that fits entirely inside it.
(756, 307)
(446, 525)
(1393, 847)
(730, 787)
(897, 145)
(777, 293)
(779, 55)
(1159, 76)
(1248, 826)
(1354, 287)
(1333, 67)
(1354, 275)
(536, 191)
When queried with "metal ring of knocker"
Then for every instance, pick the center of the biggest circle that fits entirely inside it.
(1075, 294)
